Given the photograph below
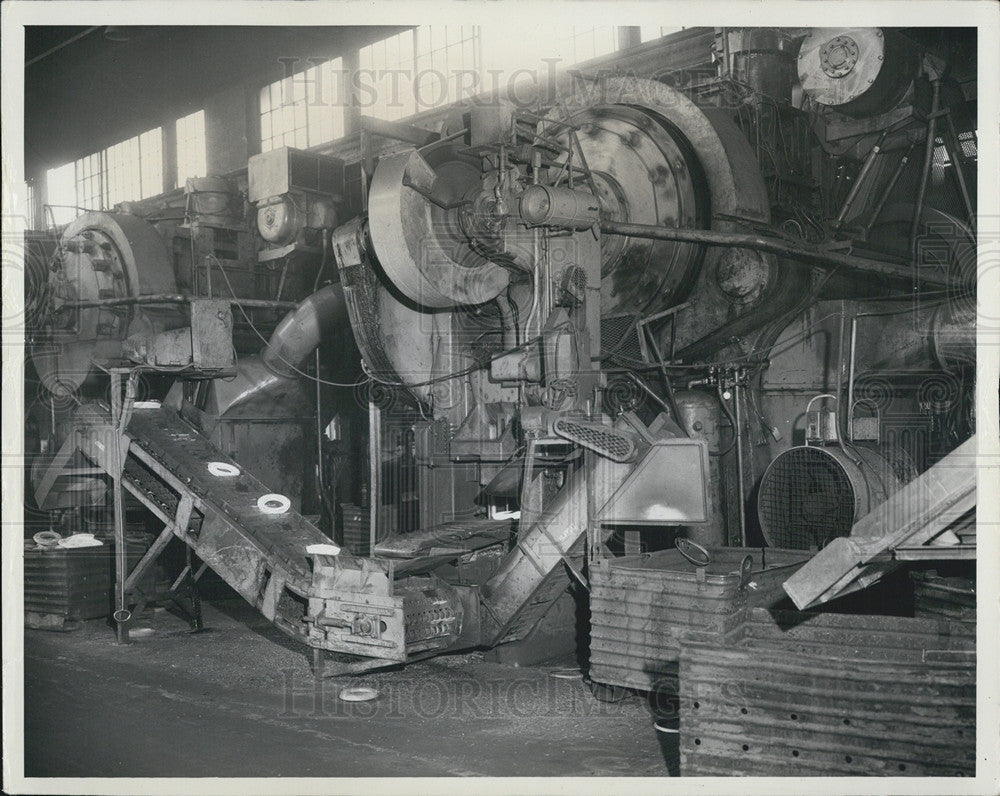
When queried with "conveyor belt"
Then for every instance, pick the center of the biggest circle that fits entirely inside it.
(166, 438)
(262, 556)
(341, 604)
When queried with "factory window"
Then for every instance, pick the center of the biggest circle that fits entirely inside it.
(90, 182)
(584, 43)
(133, 169)
(29, 206)
(541, 51)
(191, 147)
(304, 109)
(60, 190)
(129, 170)
(151, 164)
(420, 69)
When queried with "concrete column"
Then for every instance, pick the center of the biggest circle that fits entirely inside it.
(170, 155)
(352, 109)
(629, 36)
(229, 135)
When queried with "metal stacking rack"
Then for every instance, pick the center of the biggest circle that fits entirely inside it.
(641, 605)
(791, 694)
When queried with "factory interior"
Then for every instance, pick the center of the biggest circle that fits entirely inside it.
(401, 403)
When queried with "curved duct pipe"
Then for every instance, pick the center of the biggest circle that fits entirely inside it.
(268, 382)
(301, 330)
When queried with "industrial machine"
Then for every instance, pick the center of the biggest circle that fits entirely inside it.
(600, 321)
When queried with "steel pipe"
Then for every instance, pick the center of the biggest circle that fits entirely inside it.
(889, 188)
(802, 253)
(175, 298)
(860, 179)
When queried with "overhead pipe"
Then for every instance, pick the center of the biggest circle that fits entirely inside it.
(797, 252)
(175, 298)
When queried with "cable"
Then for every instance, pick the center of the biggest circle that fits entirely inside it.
(756, 411)
(732, 421)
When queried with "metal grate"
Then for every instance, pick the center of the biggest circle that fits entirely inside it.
(620, 337)
(967, 141)
(356, 529)
(806, 499)
(597, 438)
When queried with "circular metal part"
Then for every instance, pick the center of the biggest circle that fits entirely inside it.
(100, 255)
(417, 241)
(223, 469)
(47, 538)
(358, 694)
(742, 274)
(566, 673)
(654, 157)
(273, 503)
(713, 185)
(839, 56)
(858, 71)
(645, 171)
(693, 552)
(280, 221)
(953, 337)
(810, 495)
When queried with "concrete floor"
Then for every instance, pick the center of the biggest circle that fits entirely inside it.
(239, 700)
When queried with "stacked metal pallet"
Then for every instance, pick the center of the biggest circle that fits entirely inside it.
(63, 586)
(791, 694)
(938, 596)
(640, 605)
